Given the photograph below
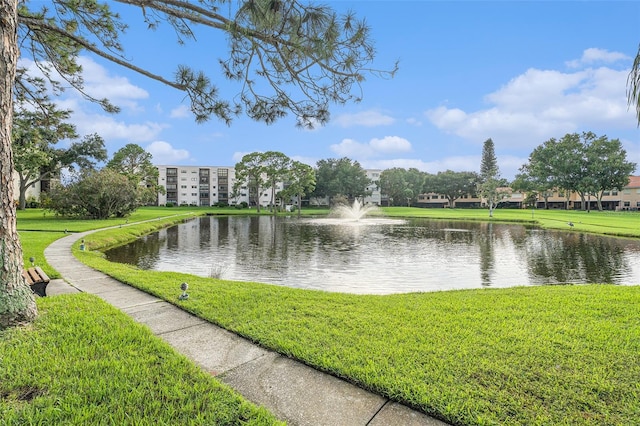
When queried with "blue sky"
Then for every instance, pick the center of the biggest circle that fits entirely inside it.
(514, 71)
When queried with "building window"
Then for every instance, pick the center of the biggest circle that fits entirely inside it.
(183, 186)
(627, 203)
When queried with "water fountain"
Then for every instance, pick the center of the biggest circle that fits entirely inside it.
(355, 215)
(355, 212)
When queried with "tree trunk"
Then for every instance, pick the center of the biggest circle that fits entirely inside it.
(17, 303)
(22, 204)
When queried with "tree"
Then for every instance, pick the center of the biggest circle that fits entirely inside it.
(394, 183)
(275, 166)
(340, 177)
(607, 165)
(490, 181)
(583, 163)
(135, 163)
(33, 135)
(301, 179)
(36, 158)
(286, 57)
(17, 303)
(538, 174)
(249, 172)
(95, 194)
(454, 185)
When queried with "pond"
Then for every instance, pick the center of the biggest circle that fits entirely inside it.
(382, 256)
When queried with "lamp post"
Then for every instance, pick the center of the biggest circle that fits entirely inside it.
(184, 295)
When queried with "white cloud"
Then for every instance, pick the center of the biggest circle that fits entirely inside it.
(110, 128)
(595, 55)
(182, 111)
(164, 153)
(414, 121)
(352, 148)
(365, 118)
(99, 83)
(541, 104)
(390, 144)
(375, 147)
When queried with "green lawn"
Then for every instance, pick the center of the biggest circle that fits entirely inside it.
(526, 355)
(83, 362)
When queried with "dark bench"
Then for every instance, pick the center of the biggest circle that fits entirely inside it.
(37, 279)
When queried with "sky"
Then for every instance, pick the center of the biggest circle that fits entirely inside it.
(518, 72)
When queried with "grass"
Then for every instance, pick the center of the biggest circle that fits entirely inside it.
(84, 362)
(619, 224)
(526, 355)
(38, 229)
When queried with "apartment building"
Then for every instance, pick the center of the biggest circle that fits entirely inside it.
(194, 185)
(373, 189)
(205, 186)
(209, 185)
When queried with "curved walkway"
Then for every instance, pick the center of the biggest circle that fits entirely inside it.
(292, 391)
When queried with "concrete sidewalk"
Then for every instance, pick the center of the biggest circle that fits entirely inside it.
(292, 391)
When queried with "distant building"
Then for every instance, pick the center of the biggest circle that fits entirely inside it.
(205, 186)
(630, 196)
(375, 196)
(626, 199)
(210, 185)
(33, 191)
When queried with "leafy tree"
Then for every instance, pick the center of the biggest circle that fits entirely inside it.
(35, 134)
(135, 163)
(607, 165)
(454, 185)
(394, 183)
(538, 174)
(301, 180)
(275, 166)
(490, 181)
(250, 171)
(286, 57)
(95, 194)
(340, 177)
(408, 196)
(582, 163)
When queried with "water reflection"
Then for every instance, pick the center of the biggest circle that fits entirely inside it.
(386, 257)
